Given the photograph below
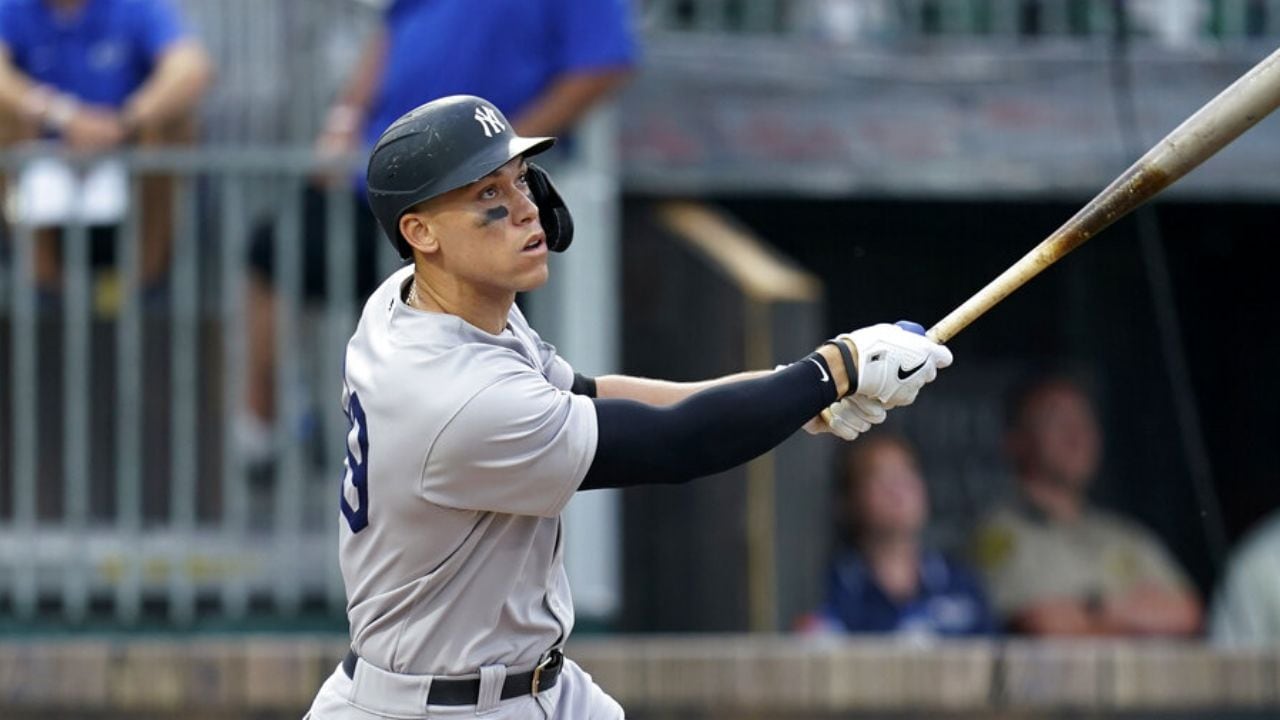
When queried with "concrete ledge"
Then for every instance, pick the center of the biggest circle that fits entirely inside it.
(158, 675)
(268, 675)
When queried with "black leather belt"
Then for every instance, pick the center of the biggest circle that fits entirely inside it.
(467, 692)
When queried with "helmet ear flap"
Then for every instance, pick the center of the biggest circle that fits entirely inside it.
(554, 215)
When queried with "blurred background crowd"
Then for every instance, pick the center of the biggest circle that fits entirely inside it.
(186, 245)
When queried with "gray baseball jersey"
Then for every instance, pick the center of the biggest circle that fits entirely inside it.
(463, 449)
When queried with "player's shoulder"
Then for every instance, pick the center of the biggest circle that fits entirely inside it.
(375, 317)
(381, 301)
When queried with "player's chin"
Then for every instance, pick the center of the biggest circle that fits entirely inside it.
(533, 278)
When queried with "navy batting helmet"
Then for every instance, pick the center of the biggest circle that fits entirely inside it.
(444, 145)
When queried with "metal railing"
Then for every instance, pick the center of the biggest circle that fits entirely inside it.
(279, 63)
(125, 496)
(127, 491)
(1172, 21)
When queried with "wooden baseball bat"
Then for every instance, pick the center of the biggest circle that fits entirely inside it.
(1250, 98)
(1246, 101)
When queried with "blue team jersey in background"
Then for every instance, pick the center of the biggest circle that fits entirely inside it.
(506, 51)
(100, 54)
(950, 600)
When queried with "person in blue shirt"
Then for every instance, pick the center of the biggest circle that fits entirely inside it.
(543, 63)
(884, 579)
(95, 75)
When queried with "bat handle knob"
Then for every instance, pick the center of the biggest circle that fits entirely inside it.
(911, 327)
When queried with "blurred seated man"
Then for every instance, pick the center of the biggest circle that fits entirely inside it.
(1057, 566)
(95, 75)
(1246, 607)
(884, 580)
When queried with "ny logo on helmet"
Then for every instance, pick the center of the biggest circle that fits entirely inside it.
(490, 121)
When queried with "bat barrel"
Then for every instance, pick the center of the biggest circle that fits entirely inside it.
(1245, 102)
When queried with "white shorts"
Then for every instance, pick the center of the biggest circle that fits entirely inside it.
(574, 697)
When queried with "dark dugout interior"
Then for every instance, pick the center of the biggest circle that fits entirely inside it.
(1092, 314)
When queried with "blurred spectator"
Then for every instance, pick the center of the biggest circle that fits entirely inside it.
(544, 63)
(843, 23)
(95, 75)
(1246, 609)
(884, 580)
(1175, 23)
(1056, 566)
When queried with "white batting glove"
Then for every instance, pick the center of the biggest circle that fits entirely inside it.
(895, 361)
(849, 417)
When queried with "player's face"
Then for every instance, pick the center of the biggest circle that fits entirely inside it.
(890, 498)
(1062, 435)
(489, 233)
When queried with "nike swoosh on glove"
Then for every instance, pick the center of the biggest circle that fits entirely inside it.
(894, 363)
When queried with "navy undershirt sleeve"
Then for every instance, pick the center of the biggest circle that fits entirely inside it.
(583, 385)
(706, 433)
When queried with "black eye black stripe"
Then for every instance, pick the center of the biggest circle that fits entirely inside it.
(494, 214)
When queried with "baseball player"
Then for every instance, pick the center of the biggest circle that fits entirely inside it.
(469, 434)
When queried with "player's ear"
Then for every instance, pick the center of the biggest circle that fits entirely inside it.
(418, 232)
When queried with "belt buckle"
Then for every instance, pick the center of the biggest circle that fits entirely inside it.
(537, 672)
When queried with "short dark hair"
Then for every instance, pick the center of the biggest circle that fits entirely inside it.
(854, 455)
(1023, 391)
(852, 469)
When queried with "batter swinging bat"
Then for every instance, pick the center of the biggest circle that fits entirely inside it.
(1249, 99)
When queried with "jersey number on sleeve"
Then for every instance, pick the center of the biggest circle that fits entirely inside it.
(355, 476)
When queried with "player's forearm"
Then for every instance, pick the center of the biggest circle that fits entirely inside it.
(666, 392)
(711, 431)
(567, 100)
(173, 89)
(660, 392)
